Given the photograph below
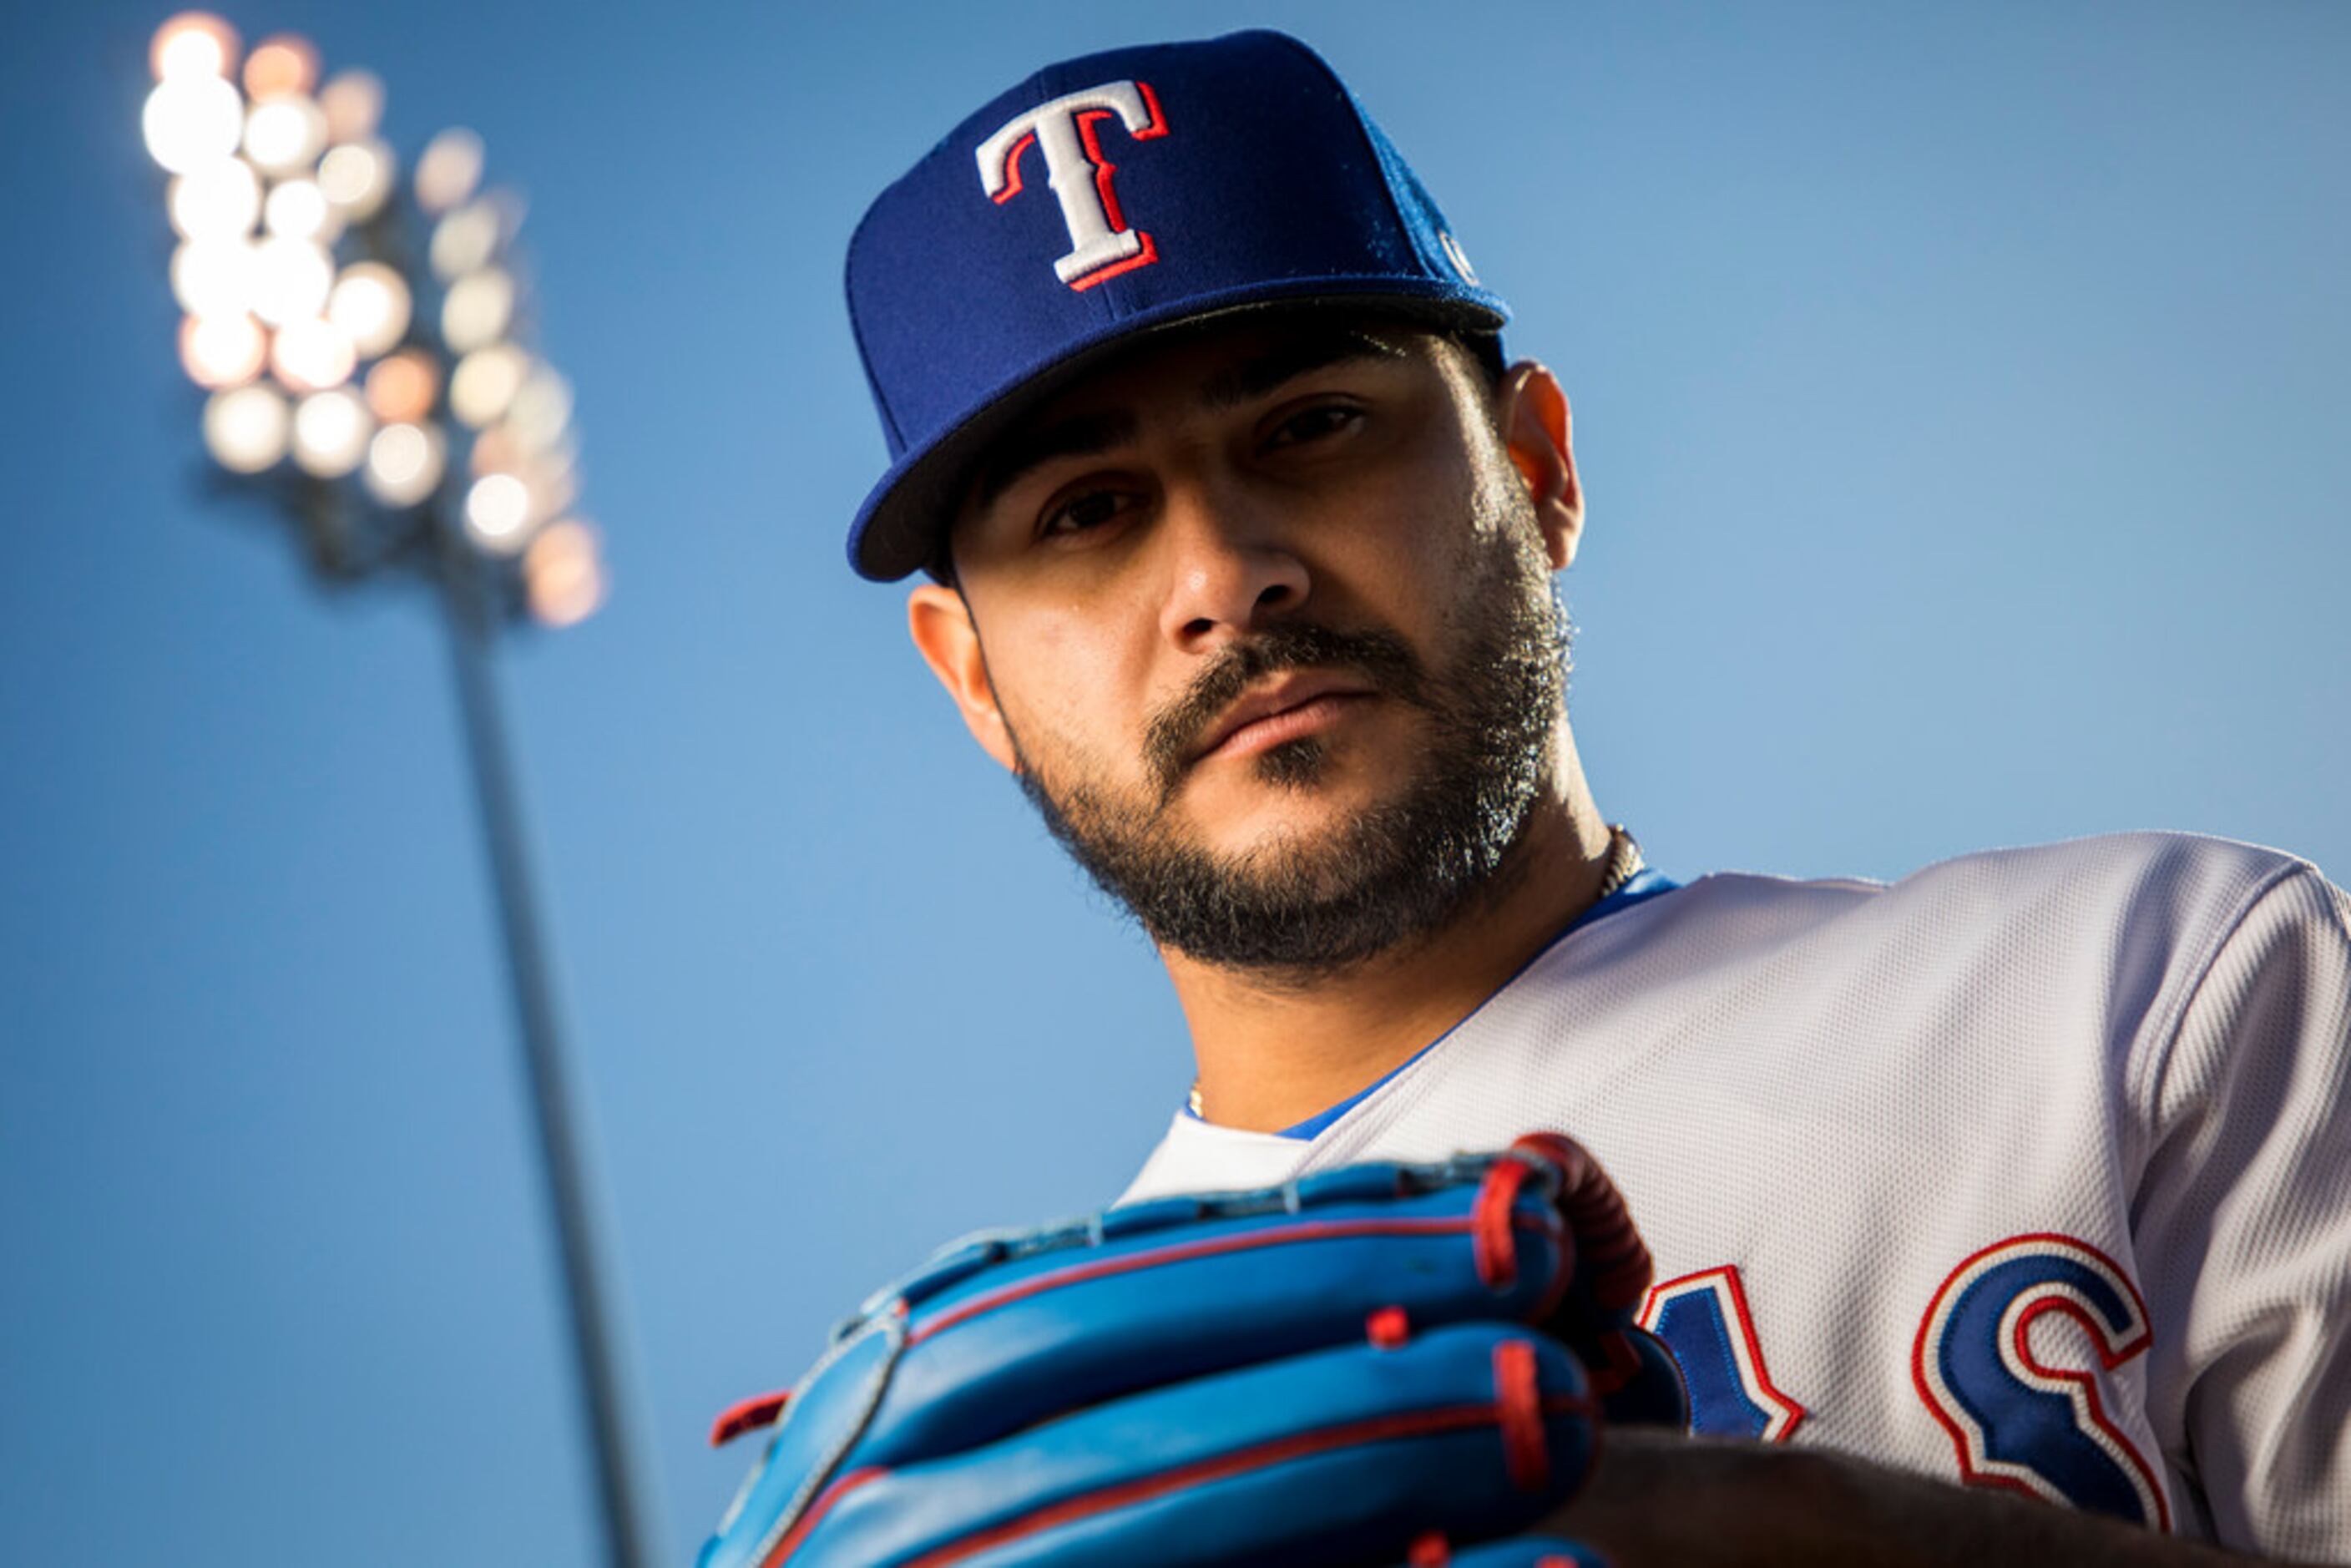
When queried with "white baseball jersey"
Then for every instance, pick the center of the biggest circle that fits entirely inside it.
(2031, 1169)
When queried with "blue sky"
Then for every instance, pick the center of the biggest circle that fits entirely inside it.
(1959, 394)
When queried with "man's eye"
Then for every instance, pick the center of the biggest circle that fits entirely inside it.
(1315, 423)
(1090, 510)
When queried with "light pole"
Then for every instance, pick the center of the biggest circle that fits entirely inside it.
(361, 344)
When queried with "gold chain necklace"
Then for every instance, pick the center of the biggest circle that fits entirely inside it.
(1624, 864)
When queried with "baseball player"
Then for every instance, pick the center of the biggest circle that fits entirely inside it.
(2023, 1181)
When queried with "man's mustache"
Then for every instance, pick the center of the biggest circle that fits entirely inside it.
(1175, 732)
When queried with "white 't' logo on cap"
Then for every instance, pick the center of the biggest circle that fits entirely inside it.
(1067, 130)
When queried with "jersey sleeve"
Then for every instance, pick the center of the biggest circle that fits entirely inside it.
(2242, 1228)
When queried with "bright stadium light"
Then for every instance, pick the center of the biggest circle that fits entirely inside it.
(449, 170)
(466, 239)
(312, 354)
(213, 277)
(477, 310)
(330, 432)
(357, 178)
(540, 412)
(223, 350)
(215, 199)
(191, 119)
(284, 134)
(353, 102)
(281, 65)
(564, 573)
(495, 451)
(246, 429)
(482, 386)
(370, 301)
(368, 378)
(192, 43)
(497, 512)
(291, 279)
(299, 209)
(405, 464)
(403, 388)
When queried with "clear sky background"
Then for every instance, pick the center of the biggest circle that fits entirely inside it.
(1960, 393)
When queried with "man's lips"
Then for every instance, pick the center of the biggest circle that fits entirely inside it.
(1282, 710)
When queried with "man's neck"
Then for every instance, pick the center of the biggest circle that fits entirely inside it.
(1272, 1054)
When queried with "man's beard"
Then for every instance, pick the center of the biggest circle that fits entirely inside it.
(1399, 869)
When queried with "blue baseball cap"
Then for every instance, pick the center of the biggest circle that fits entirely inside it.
(1109, 197)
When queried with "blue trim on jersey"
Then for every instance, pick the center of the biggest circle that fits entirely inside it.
(1644, 885)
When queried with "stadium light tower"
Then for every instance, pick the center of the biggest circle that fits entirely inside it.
(363, 345)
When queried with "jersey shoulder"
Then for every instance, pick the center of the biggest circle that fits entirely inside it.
(2100, 938)
(2186, 882)
(2111, 936)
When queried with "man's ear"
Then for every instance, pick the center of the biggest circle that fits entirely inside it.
(1541, 436)
(940, 623)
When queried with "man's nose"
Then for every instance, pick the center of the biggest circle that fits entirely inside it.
(1232, 569)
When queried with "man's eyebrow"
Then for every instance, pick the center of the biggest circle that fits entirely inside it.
(1293, 357)
(1078, 436)
(1083, 435)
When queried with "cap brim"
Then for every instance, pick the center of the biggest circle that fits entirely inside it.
(897, 529)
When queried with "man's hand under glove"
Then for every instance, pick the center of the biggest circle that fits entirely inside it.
(1378, 1364)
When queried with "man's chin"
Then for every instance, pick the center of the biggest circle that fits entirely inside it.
(1247, 821)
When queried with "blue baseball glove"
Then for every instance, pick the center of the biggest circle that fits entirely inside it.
(1360, 1367)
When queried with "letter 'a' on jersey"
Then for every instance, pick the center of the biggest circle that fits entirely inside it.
(1105, 198)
